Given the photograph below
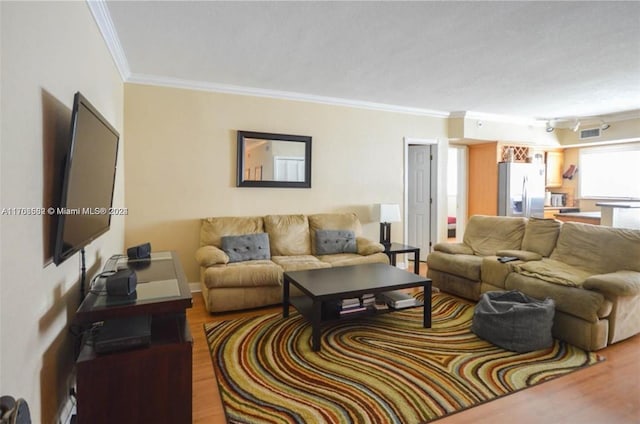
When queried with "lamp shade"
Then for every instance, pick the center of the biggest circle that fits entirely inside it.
(388, 212)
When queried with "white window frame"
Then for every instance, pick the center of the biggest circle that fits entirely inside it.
(629, 171)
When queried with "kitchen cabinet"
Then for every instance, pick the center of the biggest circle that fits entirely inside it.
(550, 213)
(554, 162)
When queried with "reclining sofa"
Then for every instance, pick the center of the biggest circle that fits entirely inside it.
(242, 259)
(591, 272)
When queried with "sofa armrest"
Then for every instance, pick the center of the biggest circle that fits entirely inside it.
(495, 272)
(523, 255)
(619, 283)
(368, 247)
(453, 248)
(207, 256)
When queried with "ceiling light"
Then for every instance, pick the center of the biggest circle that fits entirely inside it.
(549, 127)
(604, 126)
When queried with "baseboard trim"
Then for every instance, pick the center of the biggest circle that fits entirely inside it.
(195, 287)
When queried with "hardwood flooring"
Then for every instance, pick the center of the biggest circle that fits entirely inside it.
(608, 392)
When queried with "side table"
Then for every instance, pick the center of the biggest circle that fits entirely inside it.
(397, 248)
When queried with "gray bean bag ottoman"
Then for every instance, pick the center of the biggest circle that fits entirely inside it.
(514, 321)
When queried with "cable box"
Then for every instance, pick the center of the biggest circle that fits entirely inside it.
(122, 334)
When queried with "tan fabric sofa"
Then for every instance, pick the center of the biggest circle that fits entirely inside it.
(591, 272)
(230, 286)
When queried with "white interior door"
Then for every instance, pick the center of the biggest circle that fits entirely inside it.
(419, 198)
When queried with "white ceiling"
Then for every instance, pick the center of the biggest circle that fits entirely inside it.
(517, 59)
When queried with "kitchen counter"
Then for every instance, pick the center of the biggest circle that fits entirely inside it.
(551, 211)
(619, 204)
(585, 217)
(620, 214)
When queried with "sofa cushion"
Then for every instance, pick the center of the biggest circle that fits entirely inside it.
(345, 259)
(467, 266)
(333, 221)
(246, 247)
(329, 242)
(553, 271)
(299, 262)
(485, 235)
(288, 234)
(581, 303)
(540, 235)
(213, 229)
(598, 249)
(243, 274)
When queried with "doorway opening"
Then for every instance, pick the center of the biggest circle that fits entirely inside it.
(456, 192)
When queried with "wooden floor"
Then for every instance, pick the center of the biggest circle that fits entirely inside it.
(608, 392)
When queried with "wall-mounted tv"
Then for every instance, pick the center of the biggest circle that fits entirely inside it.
(88, 182)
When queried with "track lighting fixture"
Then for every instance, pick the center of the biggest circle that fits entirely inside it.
(604, 126)
(576, 127)
(549, 127)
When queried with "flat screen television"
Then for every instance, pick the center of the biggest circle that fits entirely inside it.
(88, 182)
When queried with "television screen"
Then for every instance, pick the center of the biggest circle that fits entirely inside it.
(88, 182)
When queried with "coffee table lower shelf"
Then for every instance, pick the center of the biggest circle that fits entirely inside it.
(304, 306)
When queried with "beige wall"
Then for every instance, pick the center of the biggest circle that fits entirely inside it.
(478, 131)
(181, 156)
(49, 51)
(619, 132)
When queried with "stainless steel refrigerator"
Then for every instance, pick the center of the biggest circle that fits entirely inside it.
(521, 189)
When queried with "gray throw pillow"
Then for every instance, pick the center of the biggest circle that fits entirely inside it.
(246, 247)
(329, 242)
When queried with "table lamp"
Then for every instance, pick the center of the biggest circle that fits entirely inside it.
(387, 213)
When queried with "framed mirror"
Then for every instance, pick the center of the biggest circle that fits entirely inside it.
(273, 160)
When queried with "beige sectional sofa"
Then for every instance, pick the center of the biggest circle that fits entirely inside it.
(591, 272)
(293, 242)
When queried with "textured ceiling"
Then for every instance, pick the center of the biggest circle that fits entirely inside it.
(520, 59)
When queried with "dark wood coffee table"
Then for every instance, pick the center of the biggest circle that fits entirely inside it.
(327, 284)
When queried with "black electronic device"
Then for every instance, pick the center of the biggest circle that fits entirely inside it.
(505, 259)
(121, 283)
(122, 333)
(141, 251)
(84, 209)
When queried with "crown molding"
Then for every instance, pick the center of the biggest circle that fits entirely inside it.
(276, 94)
(493, 117)
(102, 17)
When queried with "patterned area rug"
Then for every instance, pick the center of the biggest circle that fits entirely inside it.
(382, 369)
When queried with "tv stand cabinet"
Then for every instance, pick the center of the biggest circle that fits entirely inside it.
(144, 384)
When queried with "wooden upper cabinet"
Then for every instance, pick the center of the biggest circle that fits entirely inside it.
(554, 165)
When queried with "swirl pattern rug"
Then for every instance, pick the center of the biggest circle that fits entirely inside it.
(378, 369)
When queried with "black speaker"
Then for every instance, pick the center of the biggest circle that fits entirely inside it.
(121, 283)
(142, 251)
